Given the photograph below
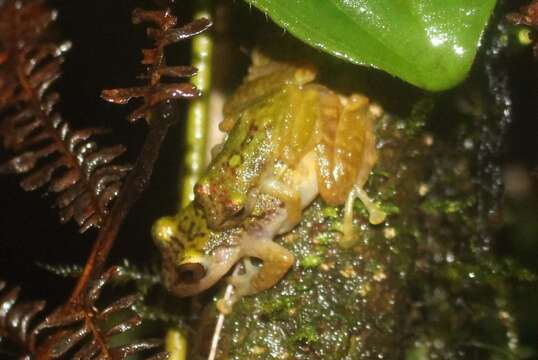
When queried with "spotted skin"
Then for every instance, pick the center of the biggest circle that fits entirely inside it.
(276, 117)
(289, 140)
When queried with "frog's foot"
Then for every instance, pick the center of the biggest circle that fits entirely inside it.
(375, 214)
(290, 197)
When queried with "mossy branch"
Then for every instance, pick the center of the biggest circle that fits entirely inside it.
(408, 283)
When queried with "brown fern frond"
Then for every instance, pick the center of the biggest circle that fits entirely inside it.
(163, 34)
(16, 318)
(85, 331)
(49, 152)
(85, 334)
(527, 15)
(159, 113)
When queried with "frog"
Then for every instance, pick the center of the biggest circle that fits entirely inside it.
(278, 117)
(289, 141)
(195, 257)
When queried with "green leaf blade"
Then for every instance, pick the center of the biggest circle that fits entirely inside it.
(429, 43)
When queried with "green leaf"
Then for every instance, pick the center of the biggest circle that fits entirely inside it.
(429, 43)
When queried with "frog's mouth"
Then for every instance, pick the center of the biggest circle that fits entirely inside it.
(194, 277)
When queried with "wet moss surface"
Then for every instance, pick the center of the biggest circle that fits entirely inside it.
(422, 285)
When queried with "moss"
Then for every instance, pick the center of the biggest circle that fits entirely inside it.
(420, 113)
(424, 284)
(447, 206)
(335, 226)
(305, 335)
(310, 261)
(325, 238)
(277, 307)
(331, 212)
(389, 209)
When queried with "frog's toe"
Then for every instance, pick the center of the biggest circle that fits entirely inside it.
(242, 286)
(243, 282)
(375, 215)
(224, 306)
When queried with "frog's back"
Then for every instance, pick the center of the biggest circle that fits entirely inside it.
(265, 78)
(259, 118)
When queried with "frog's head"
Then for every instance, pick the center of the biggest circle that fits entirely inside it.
(192, 261)
(224, 203)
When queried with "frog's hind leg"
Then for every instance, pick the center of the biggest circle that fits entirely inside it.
(375, 214)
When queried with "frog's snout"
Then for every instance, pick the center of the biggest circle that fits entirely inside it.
(191, 272)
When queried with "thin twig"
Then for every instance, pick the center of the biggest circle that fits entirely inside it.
(220, 319)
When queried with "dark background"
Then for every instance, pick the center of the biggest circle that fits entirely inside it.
(106, 54)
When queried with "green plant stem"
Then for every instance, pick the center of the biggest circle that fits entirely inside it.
(195, 142)
(198, 114)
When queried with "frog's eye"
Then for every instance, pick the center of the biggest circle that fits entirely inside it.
(190, 272)
(240, 213)
(236, 211)
(202, 188)
(236, 205)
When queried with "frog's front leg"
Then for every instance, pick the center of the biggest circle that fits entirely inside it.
(295, 187)
(288, 195)
(276, 261)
